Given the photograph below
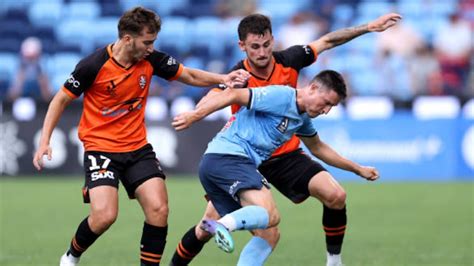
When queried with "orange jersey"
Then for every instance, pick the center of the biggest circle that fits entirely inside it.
(287, 64)
(113, 117)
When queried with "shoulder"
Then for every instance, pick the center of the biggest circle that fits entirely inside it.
(296, 56)
(157, 55)
(94, 61)
(239, 65)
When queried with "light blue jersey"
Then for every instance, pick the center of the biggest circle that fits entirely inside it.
(270, 120)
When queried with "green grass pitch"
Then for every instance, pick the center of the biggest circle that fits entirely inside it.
(389, 224)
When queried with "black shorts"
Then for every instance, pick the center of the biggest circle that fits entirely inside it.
(131, 168)
(290, 173)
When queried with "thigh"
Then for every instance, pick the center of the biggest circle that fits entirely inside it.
(224, 176)
(141, 167)
(291, 173)
(104, 200)
(152, 193)
(262, 197)
(323, 186)
(101, 169)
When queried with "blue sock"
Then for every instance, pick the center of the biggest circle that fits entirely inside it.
(250, 217)
(255, 252)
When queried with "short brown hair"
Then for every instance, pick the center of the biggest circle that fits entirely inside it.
(135, 20)
(255, 24)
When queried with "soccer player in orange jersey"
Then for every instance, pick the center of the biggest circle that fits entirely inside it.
(115, 82)
(289, 170)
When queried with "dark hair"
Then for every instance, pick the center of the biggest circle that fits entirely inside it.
(255, 24)
(135, 20)
(332, 80)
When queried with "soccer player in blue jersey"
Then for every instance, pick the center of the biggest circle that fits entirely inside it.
(289, 170)
(228, 170)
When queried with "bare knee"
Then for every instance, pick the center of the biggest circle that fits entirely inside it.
(101, 220)
(157, 213)
(271, 235)
(336, 199)
(273, 217)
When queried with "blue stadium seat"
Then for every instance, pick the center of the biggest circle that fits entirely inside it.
(61, 63)
(8, 68)
(208, 32)
(15, 29)
(45, 13)
(10, 63)
(11, 45)
(282, 10)
(82, 10)
(17, 4)
(111, 9)
(166, 8)
(374, 9)
(76, 32)
(175, 31)
(16, 14)
(129, 4)
(104, 31)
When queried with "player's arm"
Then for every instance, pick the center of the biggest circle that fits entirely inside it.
(342, 36)
(212, 102)
(325, 153)
(201, 78)
(55, 110)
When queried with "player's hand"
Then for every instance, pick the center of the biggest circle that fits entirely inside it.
(39, 154)
(384, 22)
(369, 173)
(183, 120)
(237, 78)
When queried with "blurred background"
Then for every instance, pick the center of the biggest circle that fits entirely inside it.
(410, 110)
(410, 113)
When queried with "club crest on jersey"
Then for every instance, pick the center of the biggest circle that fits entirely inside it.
(307, 49)
(171, 61)
(142, 82)
(283, 125)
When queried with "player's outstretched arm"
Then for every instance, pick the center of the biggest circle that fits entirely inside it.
(212, 102)
(201, 78)
(338, 37)
(325, 153)
(55, 110)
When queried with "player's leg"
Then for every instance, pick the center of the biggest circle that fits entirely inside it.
(153, 199)
(238, 193)
(297, 177)
(324, 187)
(144, 180)
(103, 213)
(102, 172)
(260, 246)
(193, 240)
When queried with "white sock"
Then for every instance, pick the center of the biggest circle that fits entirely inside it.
(229, 222)
(333, 259)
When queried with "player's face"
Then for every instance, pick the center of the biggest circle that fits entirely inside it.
(258, 48)
(320, 101)
(142, 45)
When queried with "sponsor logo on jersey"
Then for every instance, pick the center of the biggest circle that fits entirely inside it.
(283, 126)
(171, 61)
(229, 123)
(123, 107)
(71, 80)
(307, 49)
(142, 81)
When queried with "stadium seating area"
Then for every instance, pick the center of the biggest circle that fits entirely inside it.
(193, 33)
